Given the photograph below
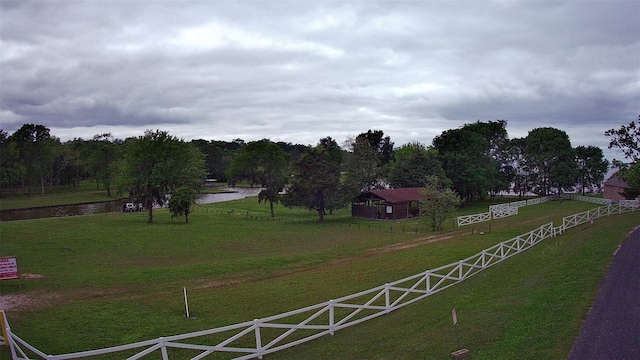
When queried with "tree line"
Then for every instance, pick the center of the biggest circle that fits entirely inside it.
(474, 161)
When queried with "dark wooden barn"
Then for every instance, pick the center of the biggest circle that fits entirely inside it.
(614, 187)
(391, 204)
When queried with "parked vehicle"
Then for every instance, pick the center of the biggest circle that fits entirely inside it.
(131, 207)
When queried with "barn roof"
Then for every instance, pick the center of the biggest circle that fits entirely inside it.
(393, 195)
(616, 182)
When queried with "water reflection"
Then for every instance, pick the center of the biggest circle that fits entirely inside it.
(234, 194)
(60, 211)
(112, 206)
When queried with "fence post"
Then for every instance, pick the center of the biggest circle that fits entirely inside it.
(163, 350)
(256, 324)
(387, 298)
(428, 281)
(331, 316)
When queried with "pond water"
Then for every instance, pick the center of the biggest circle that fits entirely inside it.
(112, 206)
(233, 194)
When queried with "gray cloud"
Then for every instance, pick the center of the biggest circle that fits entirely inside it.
(296, 71)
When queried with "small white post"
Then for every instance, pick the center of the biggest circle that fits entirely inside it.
(186, 303)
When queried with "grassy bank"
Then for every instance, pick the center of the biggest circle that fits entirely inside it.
(111, 279)
(87, 192)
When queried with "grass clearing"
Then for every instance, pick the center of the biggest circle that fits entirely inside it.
(112, 279)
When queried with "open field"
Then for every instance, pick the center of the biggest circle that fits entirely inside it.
(110, 279)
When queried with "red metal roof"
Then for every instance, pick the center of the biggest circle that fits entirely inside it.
(394, 195)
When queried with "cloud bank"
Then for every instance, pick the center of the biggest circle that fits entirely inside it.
(297, 71)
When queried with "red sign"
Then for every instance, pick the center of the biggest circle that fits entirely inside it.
(455, 316)
(9, 268)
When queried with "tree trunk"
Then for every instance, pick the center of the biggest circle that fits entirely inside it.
(271, 207)
(321, 215)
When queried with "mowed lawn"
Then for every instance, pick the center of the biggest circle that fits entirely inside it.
(111, 279)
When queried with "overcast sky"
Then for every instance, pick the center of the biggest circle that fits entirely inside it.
(297, 71)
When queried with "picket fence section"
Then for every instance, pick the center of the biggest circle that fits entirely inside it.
(254, 339)
(499, 211)
(630, 203)
(590, 215)
(595, 200)
(502, 212)
(473, 219)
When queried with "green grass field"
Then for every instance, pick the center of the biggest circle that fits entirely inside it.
(111, 279)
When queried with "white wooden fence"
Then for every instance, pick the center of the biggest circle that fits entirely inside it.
(473, 219)
(590, 215)
(500, 211)
(630, 203)
(254, 339)
(595, 200)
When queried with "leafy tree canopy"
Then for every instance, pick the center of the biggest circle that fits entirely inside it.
(550, 160)
(316, 181)
(626, 139)
(380, 144)
(591, 166)
(467, 162)
(181, 200)
(156, 164)
(439, 204)
(412, 164)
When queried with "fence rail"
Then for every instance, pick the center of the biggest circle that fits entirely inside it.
(630, 203)
(473, 219)
(595, 200)
(254, 339)
(500, 211)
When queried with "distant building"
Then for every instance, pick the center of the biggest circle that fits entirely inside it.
(389, 204)
(614, 187)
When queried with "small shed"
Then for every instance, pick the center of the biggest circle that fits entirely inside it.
(614, 187)
(389, 204)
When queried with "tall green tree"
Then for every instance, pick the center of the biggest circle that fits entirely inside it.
(69, 163)
(272, 171)
(104, 151)
(261, 163)
(591, 166)
(412, 164)
(156, 164)
(513, 166)
(11, 169)
(181, 200)
(439, 203)
(217, 158)
(316, 181)
(380, 144)
(632, 177)
(362, 167)
(245, 165)
(467, 161)
(550, 160)
(35, 152)
(627, 139)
